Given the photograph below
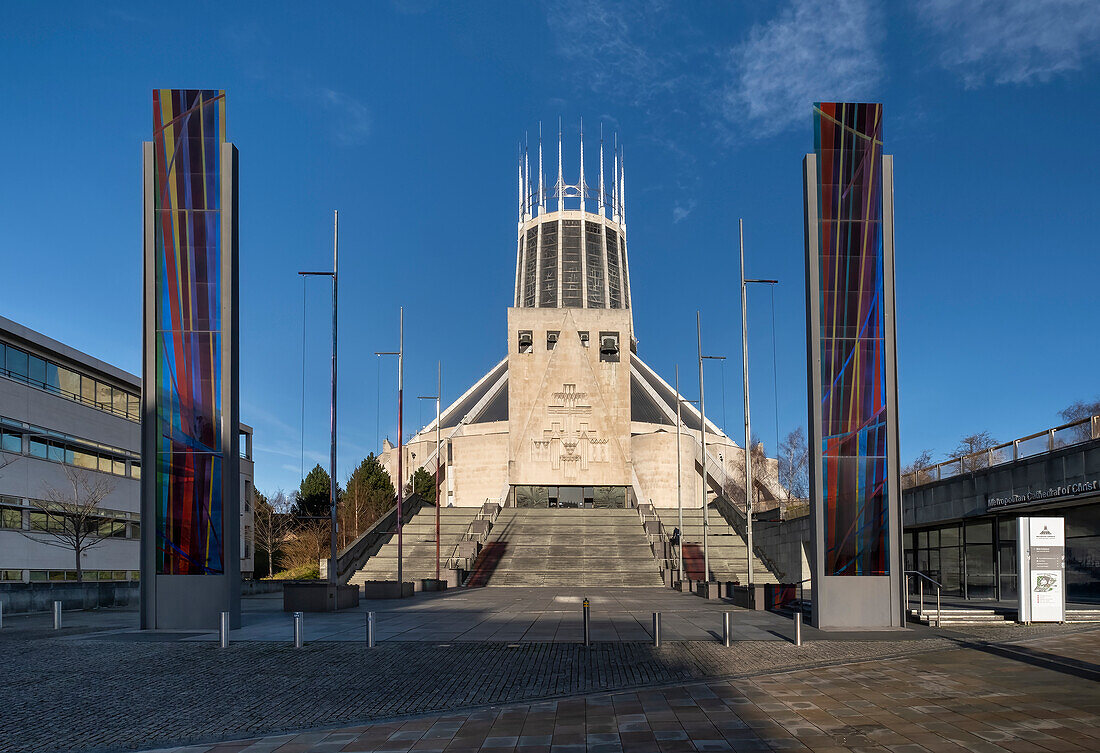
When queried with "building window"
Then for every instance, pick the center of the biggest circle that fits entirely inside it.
(526, 341)
(44, 374)
(11, 518)
(551, 339)
(584, 339)
(11, 576)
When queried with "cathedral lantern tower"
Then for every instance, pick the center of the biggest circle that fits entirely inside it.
(570, 334)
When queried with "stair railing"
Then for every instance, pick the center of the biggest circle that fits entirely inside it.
(470, 535)
(920, 608)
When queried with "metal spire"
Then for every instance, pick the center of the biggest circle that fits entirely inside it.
(526, 182)
(601, 207)
(560, 189)
(542, 192)
(615, 184)
(622, 187)
(519, 184)
(580, 182)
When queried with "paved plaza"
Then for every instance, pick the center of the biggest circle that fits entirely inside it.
(507, 665)
(935, 702)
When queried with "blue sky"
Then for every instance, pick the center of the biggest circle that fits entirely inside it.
(406, 117)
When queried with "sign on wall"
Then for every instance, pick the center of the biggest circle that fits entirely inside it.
(1042, 569)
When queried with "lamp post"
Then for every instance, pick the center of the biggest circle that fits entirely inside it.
(703, 442)
(436, 396)
(334, 274)
(400, 353)
(745, 372)
(679, 499)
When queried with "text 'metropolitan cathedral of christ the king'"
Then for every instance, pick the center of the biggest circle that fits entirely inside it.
(572, 416)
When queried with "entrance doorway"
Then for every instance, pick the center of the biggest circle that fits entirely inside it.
(569, 497)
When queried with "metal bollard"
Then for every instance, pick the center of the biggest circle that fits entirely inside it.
(57, 615)
(298, 629)
(587, 619)
(656, 630)
(223, 630)
(370, 629)
(727, 629)
(798, 628)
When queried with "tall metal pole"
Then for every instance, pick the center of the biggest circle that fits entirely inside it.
(679, 498)
(332, 416)
(745, 372)
(438, 460)
(703, 442)
(400, 450)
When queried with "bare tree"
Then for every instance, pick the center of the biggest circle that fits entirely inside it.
(972, 451)
(272, 520)
(735, 482)
(1080, 410)
(794, 464)
(72, 517)
(305, 544)
(916, 473)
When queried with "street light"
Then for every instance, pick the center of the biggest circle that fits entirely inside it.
(745, 371)
(436, 396)
(400, 353)
(679, 498)
(703, 442)
(334, 274)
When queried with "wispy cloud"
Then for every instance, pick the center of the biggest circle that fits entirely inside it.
(609, 45)
(811, 51)
(681, 209)
(352, 124)
(1013, 41)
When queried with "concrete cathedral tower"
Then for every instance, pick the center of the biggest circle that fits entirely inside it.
(572, 417)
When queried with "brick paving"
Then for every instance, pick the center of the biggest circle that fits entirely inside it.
(97, 685)
(933, 702)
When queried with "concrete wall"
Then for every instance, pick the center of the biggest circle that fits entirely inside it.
(966, 495)
(480, 465)
(655, 463)
(568, 411)
(786, 545)
(20, 598)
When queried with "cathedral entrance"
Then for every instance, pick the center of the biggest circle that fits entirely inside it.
(569, 497)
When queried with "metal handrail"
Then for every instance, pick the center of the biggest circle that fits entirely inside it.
(920, 609)
(469, 535)
(994, 456)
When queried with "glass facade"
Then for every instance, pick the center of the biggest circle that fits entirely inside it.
(25, 439)
(593, 264)
(44, 374)
(571, 287)
(188, 133)
(548, 285)
(597, 497)
(530, 254)
(852, 337)
(976, 559)
(582, 260)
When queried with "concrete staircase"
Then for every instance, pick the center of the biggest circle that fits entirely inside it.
(728, 552)
(1082, 614)
(958, 616)
(418, 535)
(566, 547)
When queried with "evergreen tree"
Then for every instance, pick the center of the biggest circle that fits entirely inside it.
(424, 485)
(369, 495)
(312, 497)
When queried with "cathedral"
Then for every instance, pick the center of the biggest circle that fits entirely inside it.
(572, 416)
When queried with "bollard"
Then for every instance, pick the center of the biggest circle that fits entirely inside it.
(798, 628)
(727, 631)
(587, 616)
(370, 629)
(223, 630)
(298, 630)
(57, 615)
(656, 630)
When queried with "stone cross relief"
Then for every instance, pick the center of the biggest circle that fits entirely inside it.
(569, 444)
